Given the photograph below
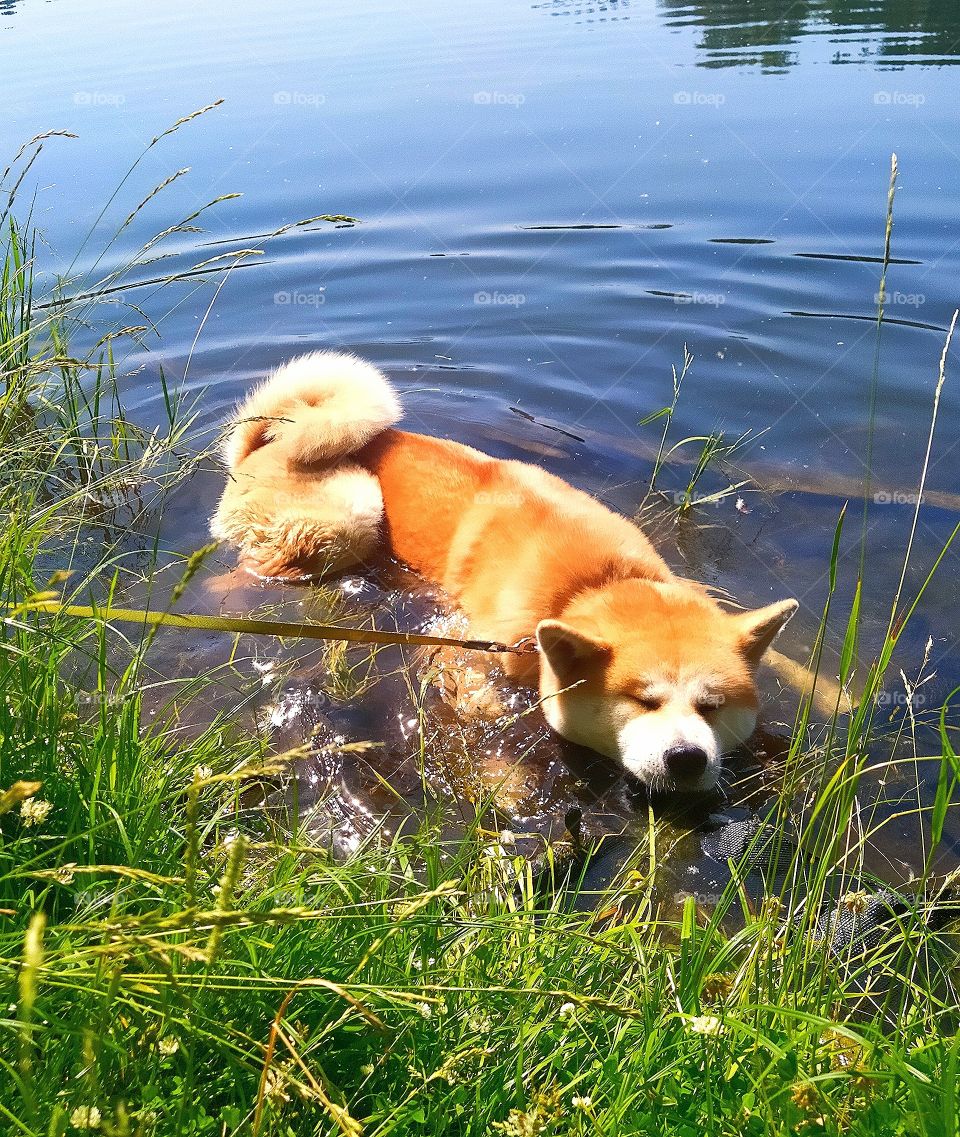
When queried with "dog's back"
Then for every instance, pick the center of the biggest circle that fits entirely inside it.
(314, 449)
(510, 542)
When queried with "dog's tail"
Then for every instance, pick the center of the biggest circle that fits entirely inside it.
(317, 408)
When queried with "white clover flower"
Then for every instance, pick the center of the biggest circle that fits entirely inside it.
(704, 1024)
(567, 1011)
(85, 1117)
(168, 1046)
(33, 811)
(425, 1010)
(581, 1101)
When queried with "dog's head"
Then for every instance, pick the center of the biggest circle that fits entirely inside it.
(657, 676)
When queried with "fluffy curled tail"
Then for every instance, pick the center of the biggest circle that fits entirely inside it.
(317, 408)
(295, 504)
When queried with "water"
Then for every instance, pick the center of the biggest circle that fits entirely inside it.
(553, 199)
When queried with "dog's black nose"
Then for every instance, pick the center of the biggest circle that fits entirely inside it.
(686, 763)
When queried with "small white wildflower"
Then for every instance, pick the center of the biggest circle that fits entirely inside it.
(33, 811)
(705, 1024)
(168, 1046)
(366, 1069)
(85, 1117)
(275, 1086)
(507, 837)
(425, 1010)
(581, 1101)
(567, 1011)
(855, 902)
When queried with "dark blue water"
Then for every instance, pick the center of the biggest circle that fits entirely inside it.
(552, 200)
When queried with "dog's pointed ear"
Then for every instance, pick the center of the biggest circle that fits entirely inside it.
(568, 650)
(758, 629)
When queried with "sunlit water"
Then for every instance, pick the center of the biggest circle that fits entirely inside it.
(553, 199)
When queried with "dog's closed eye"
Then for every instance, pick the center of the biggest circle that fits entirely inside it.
(648, 702)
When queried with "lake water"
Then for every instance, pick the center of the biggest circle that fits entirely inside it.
(552, 200)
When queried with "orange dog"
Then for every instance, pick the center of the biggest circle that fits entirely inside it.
(634, 662)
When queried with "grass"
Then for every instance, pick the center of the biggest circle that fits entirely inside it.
(176, 959)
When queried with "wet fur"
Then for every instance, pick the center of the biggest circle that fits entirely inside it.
(634, 661)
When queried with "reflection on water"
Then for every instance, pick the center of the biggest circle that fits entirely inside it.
(766, 32)
(584, 12)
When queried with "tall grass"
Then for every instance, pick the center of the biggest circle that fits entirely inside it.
(176, 961)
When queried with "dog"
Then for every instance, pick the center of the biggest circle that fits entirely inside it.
(634, 662)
